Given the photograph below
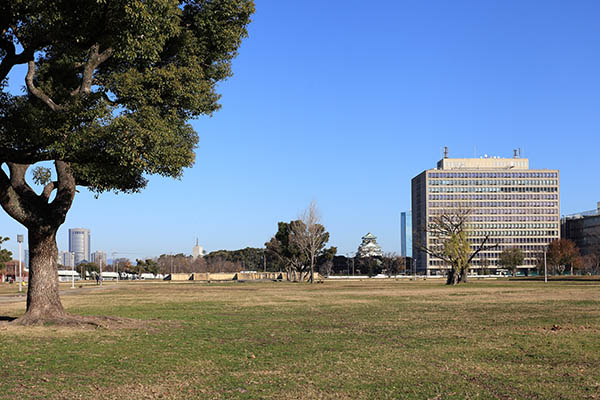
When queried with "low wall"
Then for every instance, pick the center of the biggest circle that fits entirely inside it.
(254, 276)
(178, 277)
(205, 276)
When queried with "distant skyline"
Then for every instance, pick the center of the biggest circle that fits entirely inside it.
(344, 102)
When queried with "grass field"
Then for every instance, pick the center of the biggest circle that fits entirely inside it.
(337, 340)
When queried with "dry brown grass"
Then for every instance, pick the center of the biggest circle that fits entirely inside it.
(370, 339)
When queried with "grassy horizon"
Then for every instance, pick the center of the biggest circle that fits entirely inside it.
(347, 339)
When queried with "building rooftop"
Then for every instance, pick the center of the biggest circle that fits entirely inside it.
(589, 213)
(483, 163)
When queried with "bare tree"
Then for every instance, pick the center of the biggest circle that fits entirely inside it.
(591, 258)
(393, 264)
(309, 235)
(561, 253)
(591, 263)
(450, 235)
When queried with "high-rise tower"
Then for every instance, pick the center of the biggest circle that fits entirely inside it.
(197, 250)
(80, 244)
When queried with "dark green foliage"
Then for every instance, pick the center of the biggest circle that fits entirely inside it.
(249, 258)
(146, 266)
(5, 255)
(154, 65)
(511, 258)
(327, 255)
(286, 252)
(89, 267)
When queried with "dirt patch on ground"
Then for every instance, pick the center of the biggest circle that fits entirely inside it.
(76, 324)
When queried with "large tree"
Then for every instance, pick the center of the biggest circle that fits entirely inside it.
(511, 258)
(110, 88)
(310, 236)
(287, 252)
(451, 243)
(562, 253)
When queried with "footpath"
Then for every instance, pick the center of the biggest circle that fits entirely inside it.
(22, 297)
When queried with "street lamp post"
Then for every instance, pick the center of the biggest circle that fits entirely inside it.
(20, 241)
(72, 272)
(350, 259)
(545, 268)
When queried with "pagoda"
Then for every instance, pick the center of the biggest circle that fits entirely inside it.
(369, 247)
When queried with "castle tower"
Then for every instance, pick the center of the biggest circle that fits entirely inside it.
(369, 247)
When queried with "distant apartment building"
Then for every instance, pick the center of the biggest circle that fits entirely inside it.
(80, 244)
(66, 259)
(512, 205)
(584, 229)
(99, 258)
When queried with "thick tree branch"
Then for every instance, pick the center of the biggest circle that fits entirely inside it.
(48, 189)
(11, 200)
(36, 91)
(17, 180)
(12, 59)
(65, 191)
(482, 247)
(7, 45)
(95, 58)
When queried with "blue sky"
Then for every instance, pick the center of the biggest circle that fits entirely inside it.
(345, 101)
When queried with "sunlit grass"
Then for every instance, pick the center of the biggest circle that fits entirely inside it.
(367, 339)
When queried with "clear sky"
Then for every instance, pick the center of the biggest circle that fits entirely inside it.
(344, 101)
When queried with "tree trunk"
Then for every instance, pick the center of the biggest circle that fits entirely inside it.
(452, 278)
(43, 301)
(42, 218)
(463, 275)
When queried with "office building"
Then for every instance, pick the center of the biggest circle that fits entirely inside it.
(99, 258)
(66, 259)
(80, 244)
(584, 229)
(512, 205)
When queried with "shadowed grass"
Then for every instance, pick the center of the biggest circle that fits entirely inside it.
(369, 339)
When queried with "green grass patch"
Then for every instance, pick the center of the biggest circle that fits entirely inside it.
(370, 339)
